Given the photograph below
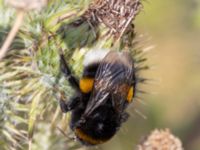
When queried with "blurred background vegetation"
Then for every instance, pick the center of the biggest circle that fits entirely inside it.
(173, 27)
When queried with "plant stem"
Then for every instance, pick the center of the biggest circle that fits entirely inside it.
(30, 144)
(12, 33)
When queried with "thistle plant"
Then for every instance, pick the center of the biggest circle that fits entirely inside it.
(160, 140)
(30, 78)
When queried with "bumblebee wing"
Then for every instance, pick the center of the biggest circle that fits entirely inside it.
(112, 81)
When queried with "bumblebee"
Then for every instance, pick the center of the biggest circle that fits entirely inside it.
(103, 93)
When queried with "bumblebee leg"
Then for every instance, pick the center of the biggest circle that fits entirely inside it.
(67, 72)
(70, 105)
(124, 117)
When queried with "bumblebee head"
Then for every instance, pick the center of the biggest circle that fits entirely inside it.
(97, 128)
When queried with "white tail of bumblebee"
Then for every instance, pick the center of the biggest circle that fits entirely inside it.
(94, 56)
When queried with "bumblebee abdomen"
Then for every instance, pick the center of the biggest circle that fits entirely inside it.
(87, 139)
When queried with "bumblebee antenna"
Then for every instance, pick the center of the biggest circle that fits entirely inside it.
(63, 133)
(140, 114)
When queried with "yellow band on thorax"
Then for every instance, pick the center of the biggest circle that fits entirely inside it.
(86, 84)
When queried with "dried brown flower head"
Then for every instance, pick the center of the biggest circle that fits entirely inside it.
(161, 140)
(117, 15)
